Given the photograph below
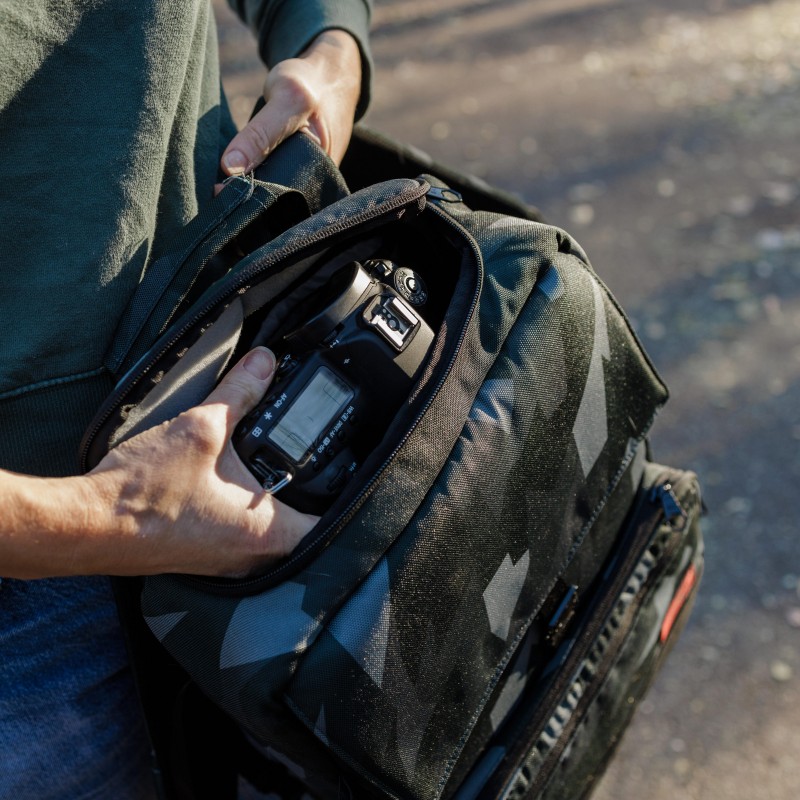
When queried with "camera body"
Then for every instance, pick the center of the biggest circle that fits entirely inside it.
(340, 380)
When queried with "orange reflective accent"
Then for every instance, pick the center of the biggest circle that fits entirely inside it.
(678, 601)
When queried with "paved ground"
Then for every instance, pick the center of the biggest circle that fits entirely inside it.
(665, 134)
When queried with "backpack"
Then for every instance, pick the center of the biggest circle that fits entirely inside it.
(495, 583)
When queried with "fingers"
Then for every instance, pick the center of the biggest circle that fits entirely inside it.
(316, 93)
(245, 384)
(290, 102)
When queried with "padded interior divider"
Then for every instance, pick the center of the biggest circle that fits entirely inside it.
(192, 378)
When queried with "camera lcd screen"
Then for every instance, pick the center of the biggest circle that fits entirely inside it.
(311, 413)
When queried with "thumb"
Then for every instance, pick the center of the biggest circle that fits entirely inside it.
(243, 386)
(285, 112)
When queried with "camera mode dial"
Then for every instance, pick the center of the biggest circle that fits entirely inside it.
(407, 283)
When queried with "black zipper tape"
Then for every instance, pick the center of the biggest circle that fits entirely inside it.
(631, 553)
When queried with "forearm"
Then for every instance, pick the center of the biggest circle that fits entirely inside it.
(57, 526)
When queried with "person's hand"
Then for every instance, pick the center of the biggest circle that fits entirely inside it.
(189, 502)
(316, 93)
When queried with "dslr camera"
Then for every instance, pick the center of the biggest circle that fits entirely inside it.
(341, 377)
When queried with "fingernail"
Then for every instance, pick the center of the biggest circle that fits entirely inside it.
(260, 363)
(235, 163)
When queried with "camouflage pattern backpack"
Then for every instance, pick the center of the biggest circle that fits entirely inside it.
(478, 611)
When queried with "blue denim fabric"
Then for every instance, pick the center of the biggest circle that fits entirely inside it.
(70, 725)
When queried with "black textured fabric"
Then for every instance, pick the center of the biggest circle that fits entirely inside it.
(432, 607)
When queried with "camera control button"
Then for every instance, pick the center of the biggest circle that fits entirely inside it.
(338, 481)
(330, 452)
(379, 267)
(287, 365)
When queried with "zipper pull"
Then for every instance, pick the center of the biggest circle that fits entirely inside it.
(447, 194)
(665, 495)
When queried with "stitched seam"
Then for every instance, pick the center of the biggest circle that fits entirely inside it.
(33, 387)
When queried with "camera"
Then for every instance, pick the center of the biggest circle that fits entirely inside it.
(341, 377)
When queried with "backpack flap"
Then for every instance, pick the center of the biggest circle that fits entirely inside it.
(296, 180)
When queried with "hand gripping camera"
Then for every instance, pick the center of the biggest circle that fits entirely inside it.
(340, 380)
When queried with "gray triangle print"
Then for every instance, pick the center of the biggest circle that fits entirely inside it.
(162, 624)
(514, 685)
(362, 627)
(591, 423)
(268, 625)
(495, 403)
(320, 727)
(502, 593)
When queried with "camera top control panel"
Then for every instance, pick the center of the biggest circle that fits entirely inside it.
(341, 380)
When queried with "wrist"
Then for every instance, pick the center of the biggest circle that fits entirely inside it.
(338, 53)
(53, 527)
(127, 520)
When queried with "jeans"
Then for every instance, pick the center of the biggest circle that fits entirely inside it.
(70, 725)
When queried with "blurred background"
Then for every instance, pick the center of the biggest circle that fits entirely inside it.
(664, 135)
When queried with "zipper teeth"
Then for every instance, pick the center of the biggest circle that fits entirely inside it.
(605, 606)
(390, 205)
(343, 518)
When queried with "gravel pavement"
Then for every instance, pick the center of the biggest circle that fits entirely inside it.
(665, 135)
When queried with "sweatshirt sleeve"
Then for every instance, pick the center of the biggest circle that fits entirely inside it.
(285, 28)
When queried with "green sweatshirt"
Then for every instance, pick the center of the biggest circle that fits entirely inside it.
(111, 128)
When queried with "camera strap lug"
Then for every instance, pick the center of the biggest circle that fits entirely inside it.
(285, 478)
(272, 480)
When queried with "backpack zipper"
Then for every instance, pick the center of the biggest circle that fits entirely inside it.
(143, 365)
(290, 565)
(663, 496)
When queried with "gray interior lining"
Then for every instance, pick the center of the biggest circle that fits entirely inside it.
(192, 378)
(257, 297)
(198, 371)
